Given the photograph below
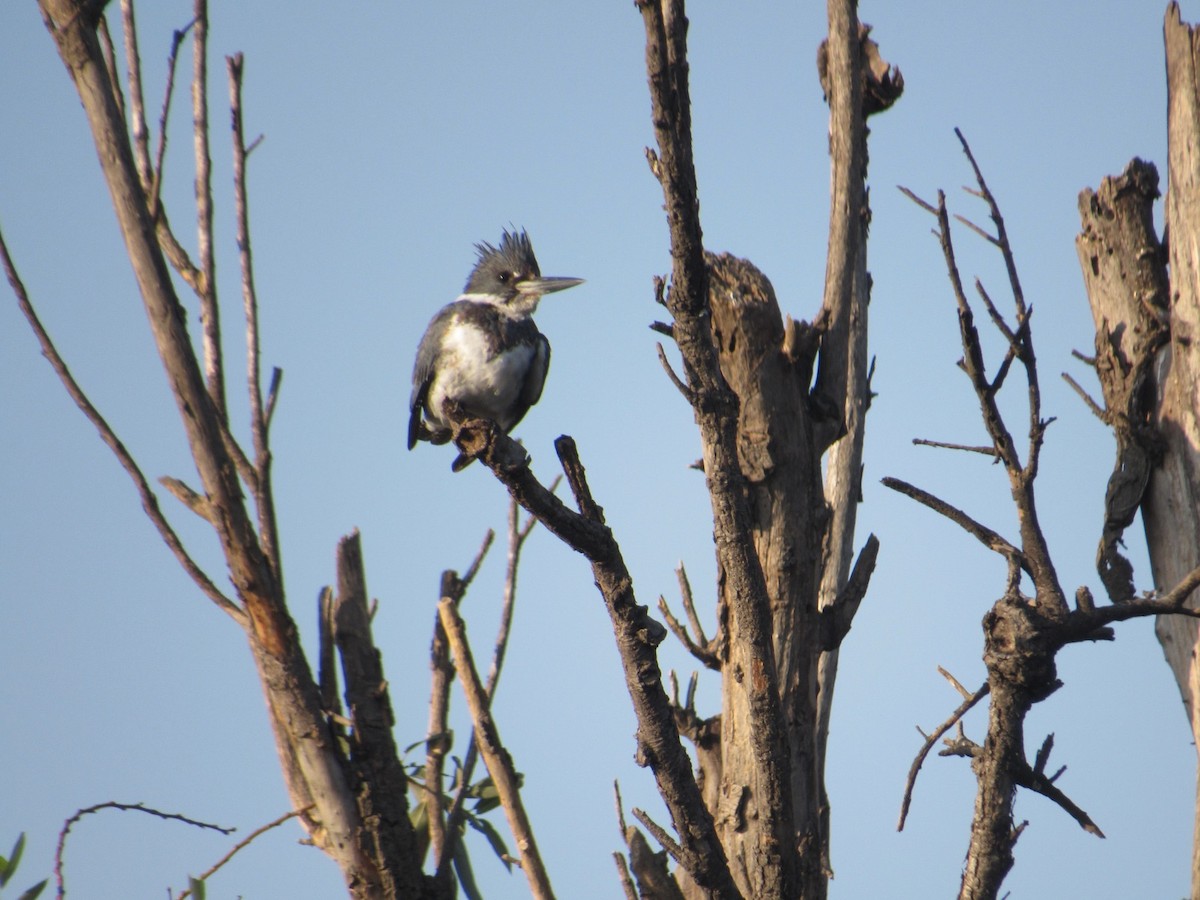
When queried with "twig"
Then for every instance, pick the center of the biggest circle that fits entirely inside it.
(124, 807)
(1100, 413)
(659, 833)
(969, 448)
(210, 317)
(137, 101)
(437, 742)
(263, 495)
(495, 757)
(982, 533)
(683, 389)
(241, 845)
(955, 683)
(930, 740)
(701, 651)
(689, 605)
(148, 497)
(517, 534)
(109, 54)
(442, 835)
(155, 172)
(620, 808)
(623, 874)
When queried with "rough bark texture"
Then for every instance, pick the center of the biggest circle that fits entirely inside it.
(761, 851)
(378, 779)
(764, 427)
(1172, 508)
(1148, 361)
(1171, 511)
(781, 462)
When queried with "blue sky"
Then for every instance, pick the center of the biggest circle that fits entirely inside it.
(395, 137)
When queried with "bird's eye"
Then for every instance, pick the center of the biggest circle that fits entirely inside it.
(505, 277)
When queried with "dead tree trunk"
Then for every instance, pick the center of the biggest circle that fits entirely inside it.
(785, 596)
(1148, 362)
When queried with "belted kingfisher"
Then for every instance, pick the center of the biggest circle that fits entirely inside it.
(482, 354)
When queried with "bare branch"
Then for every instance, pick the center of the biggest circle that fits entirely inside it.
(148, 498)
(969, 448)
(264, 499)
(240, 845)
(210, 319)
(930, 740)
(1100, 413)
(637, 634)
(156, 172)
(189, 498)
(498, 762)
(123, 807)
(675, 380)
(982, 533)
(137, 101)
(659, 833)
(839, 615)
(703, 652)
(955, 683)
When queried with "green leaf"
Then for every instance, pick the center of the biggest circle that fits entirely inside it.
(35, 891)
(484, 827)
(8, 867)
(196, 886)
(462, 868)
(419, 817)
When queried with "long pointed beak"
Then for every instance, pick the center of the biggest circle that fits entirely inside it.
(536, 287)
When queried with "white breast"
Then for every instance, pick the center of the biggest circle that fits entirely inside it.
(484, 386)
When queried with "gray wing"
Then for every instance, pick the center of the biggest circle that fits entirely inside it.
(423, 371)
(535, 378)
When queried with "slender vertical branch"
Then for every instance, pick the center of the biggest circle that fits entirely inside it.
(517, 534)
(137, 96)
(210, 318)
(263, 496)
(715, 407)
(497, 759)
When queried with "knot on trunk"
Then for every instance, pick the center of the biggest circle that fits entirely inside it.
(1019, 647)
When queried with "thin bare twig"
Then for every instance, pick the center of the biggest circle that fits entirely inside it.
(945, 445)
(110, 63)
(1099, 412)
(683, 389)
(659, 833)
(623, 875)
(137, 97)
(517, 535)
(703, 652)
(210, 318)
(930, 740)
(147, 495)
(495, 757)
(955, 683)
(982, 533)
(241, 845)
(124, 807)
(437, 743)
(264, 499)
(154, 188)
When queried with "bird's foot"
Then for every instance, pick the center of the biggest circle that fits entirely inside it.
(483, 439)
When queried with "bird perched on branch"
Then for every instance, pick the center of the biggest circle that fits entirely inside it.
(482, 356)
